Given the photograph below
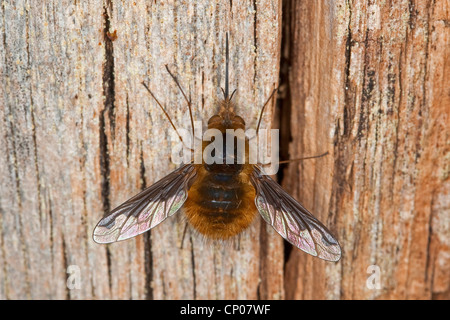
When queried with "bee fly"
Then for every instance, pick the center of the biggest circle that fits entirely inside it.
(219, 200)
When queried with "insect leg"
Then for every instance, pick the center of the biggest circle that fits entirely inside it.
(184, 235)
(185, 97)
(165, 112)
(305, 158)
(262, 110)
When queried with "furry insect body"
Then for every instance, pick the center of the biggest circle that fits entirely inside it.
(220, 199)
(221, 204)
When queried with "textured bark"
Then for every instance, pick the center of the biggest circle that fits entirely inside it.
(79, 134)
(368, 84)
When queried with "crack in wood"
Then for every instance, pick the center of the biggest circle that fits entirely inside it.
(261, 289)
(108, 69)
(368, 86)
(65, 265)
(109, 94)
(127, 130)
(423, 106)
(284, 103)
(347, 117)
(194, 281)
(148, 258)
(148, 255)
(255, 41)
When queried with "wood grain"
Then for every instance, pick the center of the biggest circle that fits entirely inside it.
(80, 135)
(368, 84)
(364, 80)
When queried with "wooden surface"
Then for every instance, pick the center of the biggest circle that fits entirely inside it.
(79, 134)
(369, 83)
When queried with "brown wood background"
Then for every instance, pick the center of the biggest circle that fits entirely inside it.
(365, 80)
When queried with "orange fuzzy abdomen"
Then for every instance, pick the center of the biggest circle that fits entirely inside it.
(221, 205)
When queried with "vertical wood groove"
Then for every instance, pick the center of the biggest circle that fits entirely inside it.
(107, 140)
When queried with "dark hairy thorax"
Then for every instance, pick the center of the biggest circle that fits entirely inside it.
(221, 202)
(222, 185)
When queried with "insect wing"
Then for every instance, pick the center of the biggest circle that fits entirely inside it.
(147, 209)
(291, 220)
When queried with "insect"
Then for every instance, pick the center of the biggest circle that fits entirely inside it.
(220, 200)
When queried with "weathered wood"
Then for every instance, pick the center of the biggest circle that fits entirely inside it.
(80, 135)
(368, 84)
(51, 96)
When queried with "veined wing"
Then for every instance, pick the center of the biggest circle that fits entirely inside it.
(147, 209)
(291, 220)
